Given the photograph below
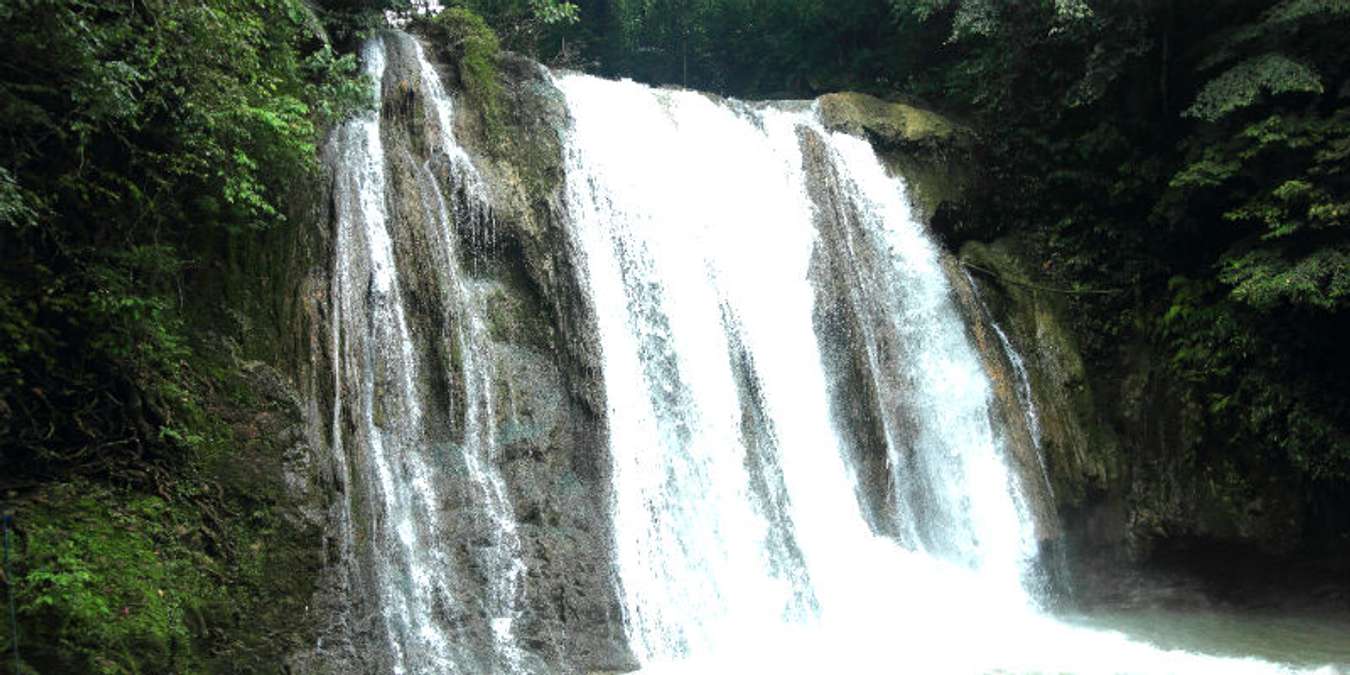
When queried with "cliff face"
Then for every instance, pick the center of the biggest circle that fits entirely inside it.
(1139, 489)
(533, 365)
(501, 360)
(513, 268)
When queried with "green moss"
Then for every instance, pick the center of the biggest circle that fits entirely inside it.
(895, 125)
(932, 183)
(182, 564)
(474, 48)
(1081, 449)
(107, 585)
(926, 148)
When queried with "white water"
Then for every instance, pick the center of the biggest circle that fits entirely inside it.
(378, 347)
(395, 460)
(696, 236)
(480, 443)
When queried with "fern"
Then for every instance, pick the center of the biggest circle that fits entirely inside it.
(1265, 278)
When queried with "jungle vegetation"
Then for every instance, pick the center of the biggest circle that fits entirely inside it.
(1191, 156)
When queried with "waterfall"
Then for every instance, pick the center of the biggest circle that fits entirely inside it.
(806, 466)
(406, 456)
(699, 234)
(710, 234)
(1025, 395)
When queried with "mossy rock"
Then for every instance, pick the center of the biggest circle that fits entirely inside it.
(1080, 448)
(893, 125)
(192, 561)
(105, 583)
(930, 151)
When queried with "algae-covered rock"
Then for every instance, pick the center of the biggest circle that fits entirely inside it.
(892, 125)
(1081, 453)
(1122, 438)
(930, 151)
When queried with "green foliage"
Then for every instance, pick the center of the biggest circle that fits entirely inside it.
(349, 22)
(1267, 403)
(554, 12)
(523, 25)
(747, 47)
(334, 86)
(1241, 198)
(1241, 85)
(16, 204)
(145, 144)
(137, 137)
(1266, 279)
(754, 48)
(108, 588)
(1280, 185)
(183, 573)
(970, 18)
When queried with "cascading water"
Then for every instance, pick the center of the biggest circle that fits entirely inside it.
(401, 455)
(694, 265)
(470, 338)
(1025, 396)
(376, 344)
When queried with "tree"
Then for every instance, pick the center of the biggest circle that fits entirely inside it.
(137, 137)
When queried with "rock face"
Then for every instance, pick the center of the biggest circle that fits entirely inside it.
(865, 354)
(1019, 412)
(1113, 465)
(1081, 455)
(499, 351)
(1118, 446)
(551, 402)
(892, 126)
(1121, 445)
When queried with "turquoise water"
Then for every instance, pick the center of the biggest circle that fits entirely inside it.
(1301, 640)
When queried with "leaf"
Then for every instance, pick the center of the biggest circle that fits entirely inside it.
(16, 204)
(1295, 10)
(1241, 85)
(1266, 278)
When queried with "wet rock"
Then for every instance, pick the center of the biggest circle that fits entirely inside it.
(893, 126)
(1120, 441)
(1010, 415)
(1083, 456)
(932, 152)
(508, 270)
